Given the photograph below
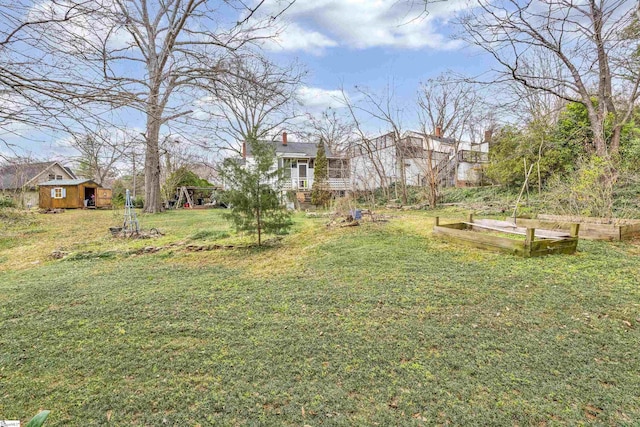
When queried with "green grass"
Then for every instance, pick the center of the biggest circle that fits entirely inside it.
(346, 326)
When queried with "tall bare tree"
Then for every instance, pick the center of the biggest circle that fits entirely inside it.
(154, 55)
(599, 67)
(253, 99)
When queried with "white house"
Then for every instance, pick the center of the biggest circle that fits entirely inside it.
(297, 159)
(381, 161)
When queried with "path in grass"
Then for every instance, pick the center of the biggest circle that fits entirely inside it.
(352, 326)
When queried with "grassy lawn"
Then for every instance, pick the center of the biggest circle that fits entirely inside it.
(378, 324)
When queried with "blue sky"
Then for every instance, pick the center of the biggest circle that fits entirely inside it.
(372, 43)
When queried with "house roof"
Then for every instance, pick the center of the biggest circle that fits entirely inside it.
(61, 182)
(18, 175)
(70, 172)
(441, 139)
(296, 149)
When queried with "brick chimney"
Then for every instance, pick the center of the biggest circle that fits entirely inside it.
(488, 134)
(284, 138)
(244, 150)
(438, 132)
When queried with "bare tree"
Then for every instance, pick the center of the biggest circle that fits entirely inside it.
(383, 109)
(253, 99)
(153, 56)
(367, 163)
(335, 130)
(453, 106)
(101, 153)
(599, 68)
(528, 104)
(450, 104)
(35, 89)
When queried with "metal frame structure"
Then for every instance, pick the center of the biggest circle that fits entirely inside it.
(131, 225)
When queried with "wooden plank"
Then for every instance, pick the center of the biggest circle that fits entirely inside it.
(177, 205)
(575, 229)
(587, 230)
(483, 241)
(455, 225)
(544, 234)
(546, 247)
(629, 231)
(187, 196)
(454, 233)
(589, 219)
(530, 236)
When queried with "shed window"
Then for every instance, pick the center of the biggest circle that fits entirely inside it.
(58, 193)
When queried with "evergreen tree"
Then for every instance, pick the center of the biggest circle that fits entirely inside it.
(254, 192)
(320, 194)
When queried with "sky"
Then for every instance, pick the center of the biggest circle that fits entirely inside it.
(343, 43)
(373, 44)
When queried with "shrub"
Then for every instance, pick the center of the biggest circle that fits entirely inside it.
(138, 202)
(7, 202)
(586, 192)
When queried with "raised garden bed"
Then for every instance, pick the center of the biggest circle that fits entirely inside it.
(590, 228)
(525, 242)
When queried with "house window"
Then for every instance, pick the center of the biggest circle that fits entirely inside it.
(58, 176)
(286, 168)
(58, 193)
(312, 163)
(52, 176)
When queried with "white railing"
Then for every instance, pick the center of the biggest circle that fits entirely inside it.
(307, 184)
(339, 183)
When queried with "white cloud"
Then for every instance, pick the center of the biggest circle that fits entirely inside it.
(361, 24)
(316, 99)
(294, 37)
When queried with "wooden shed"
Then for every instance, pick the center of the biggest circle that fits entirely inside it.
(73, 194)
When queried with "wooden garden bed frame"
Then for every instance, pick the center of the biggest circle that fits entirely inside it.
(590, 228)
(535, 243)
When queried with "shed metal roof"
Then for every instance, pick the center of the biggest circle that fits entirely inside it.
(61, 182)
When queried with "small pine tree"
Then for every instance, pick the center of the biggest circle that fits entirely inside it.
(320, 194)
(254, 192)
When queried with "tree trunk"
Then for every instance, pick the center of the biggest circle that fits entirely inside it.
(152, 199)
(258, 219)
(614, 144)
(597, 129)
(403, 180)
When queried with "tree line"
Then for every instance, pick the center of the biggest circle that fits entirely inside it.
(564, 85)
